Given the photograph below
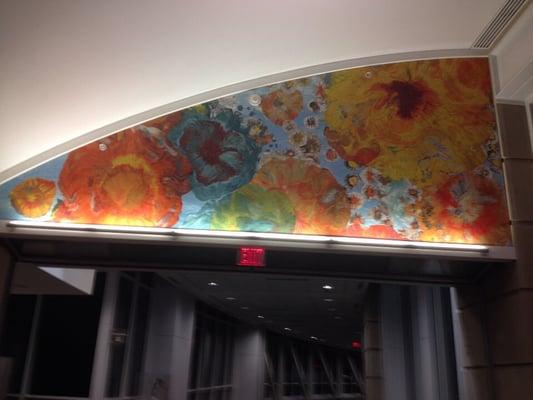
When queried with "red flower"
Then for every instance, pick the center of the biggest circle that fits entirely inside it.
(468, 208)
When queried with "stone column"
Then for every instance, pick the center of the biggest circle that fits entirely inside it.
(372, 351)
(471, 344)
(494, 321)
(508, 292)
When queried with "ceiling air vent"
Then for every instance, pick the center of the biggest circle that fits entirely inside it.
(499, 23)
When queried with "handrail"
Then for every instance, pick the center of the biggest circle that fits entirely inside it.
(48, 397)
(209, 388)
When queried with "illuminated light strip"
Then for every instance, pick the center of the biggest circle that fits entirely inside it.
(255, 235)
(90, 227)
(335, 240)
(412, 244)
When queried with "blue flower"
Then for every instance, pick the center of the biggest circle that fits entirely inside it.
(222, 153)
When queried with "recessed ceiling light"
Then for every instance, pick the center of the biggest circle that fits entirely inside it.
(287, 329)
(230, 298)
(245, 308)
(260, 317)
(313, 338)
(327, 287)
(329, 300)
(212, 284)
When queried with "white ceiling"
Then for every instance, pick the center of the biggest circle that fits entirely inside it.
(72, 66)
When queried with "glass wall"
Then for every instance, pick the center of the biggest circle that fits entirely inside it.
(16, 338)
(81, 347)
(299, 369)
(212, 355)
(128, 336)
(51, 340)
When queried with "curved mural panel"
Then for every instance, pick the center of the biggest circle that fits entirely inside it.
(399, 151)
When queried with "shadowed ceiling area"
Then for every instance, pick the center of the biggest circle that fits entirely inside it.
(291, 305)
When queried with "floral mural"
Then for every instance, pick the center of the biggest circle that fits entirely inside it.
(400, 151)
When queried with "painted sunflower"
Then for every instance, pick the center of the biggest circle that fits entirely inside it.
(421, 120)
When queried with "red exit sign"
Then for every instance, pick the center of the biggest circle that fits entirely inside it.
(251, 257)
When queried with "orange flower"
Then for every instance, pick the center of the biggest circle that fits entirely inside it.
(33, 198)
(468, 208)
(281, 105)
(320, 202)
(133, 181)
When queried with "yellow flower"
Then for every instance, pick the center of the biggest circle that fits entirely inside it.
(33, 198)
(420, 120)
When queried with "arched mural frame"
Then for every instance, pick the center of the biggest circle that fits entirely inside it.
(492, 252)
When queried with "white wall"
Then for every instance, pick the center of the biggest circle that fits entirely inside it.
(514, 54)
(72, 66)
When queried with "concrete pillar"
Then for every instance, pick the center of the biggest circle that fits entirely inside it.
(395, 366)
(423, 339)
(471, 340)
(494, 321)
(170, 341)
(249, 364)
(372, 355)
(6, 272)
